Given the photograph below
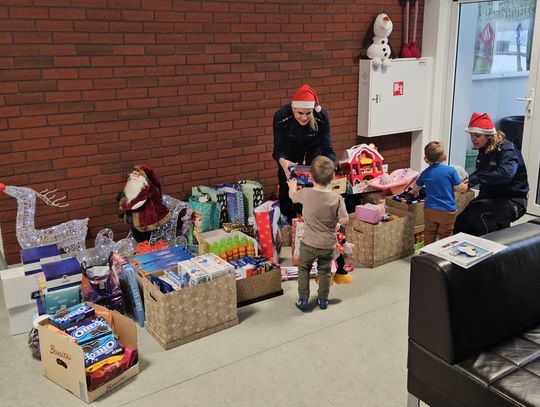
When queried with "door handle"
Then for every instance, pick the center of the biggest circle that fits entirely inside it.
(530, 101)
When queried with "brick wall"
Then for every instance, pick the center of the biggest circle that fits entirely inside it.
(88, 88)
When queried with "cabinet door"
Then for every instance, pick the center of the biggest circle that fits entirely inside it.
(398, 94)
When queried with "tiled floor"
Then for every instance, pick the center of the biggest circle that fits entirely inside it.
(353, 354)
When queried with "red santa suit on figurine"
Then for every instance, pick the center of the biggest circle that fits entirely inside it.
(141, 203)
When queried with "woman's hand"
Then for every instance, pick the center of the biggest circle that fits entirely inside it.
(285, 165)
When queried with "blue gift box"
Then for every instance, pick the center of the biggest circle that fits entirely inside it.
(35, 257)
(63, 273)
(60, 299)
(34, 254)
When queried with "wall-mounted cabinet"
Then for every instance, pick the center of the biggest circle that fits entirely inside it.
(393, 99)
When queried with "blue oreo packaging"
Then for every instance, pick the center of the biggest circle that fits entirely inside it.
(68, 317)
(100, 349)
(89, 330)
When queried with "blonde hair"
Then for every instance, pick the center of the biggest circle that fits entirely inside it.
(313, 121)
(494, 142)
(322, 170)
(434, 152)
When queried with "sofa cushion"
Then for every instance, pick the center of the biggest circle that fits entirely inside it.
(511, 368)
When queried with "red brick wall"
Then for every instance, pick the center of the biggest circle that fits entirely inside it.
(88, 88)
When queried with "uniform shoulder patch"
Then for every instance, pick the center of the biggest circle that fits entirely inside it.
(285, 119)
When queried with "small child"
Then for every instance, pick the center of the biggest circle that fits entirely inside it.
(322, 211)
(440, 181)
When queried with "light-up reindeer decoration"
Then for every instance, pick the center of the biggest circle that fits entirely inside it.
(69, 236)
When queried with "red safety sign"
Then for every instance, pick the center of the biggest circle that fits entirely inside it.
(398, 88)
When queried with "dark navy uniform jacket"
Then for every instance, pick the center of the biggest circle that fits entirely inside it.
(502, 174)
(298, 143)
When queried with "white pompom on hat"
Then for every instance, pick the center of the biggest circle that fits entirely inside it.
(481, 123)
(306, 98)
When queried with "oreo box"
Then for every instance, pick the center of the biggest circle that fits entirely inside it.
(63, 360)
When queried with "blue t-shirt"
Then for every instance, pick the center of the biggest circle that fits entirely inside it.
(439, 180)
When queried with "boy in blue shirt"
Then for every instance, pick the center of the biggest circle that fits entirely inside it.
(440, 181)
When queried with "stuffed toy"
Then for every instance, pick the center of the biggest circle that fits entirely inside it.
(379, 52)
(344, 264)
(409, 49)
(141, 203)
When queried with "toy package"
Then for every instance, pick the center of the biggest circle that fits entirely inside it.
(302, 174)
(100, 285)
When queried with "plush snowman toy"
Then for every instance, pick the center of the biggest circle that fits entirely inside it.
(380, 51)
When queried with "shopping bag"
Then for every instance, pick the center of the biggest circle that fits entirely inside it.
(267, 217)
(208, 209)
(253, 195)
(214, 195)
(234, 202)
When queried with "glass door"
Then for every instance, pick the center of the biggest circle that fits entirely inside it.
(496, 72)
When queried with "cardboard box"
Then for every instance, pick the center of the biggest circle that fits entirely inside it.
(418, 237)
(63, 360)
(416, 209)
(258, 288)
(20, 318)
(339, 185)
(188, 314)
(18, 289)
(382, 243)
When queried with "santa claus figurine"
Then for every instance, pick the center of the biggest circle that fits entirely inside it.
(141, 203)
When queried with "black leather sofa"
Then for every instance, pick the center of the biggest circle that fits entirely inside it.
(474, 334)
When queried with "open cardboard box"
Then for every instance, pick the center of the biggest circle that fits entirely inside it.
(258, 288)
(384, 242)
(191, 313)
(63, 360)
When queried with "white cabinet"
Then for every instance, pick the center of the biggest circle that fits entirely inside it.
(393, 99)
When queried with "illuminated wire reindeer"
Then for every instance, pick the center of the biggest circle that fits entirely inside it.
(69, 236)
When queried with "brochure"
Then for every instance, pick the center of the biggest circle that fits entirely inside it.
(463, 249)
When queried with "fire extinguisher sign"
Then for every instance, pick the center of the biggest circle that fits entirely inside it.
(398, 88)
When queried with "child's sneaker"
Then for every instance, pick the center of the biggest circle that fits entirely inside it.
(323, 303)
(302, 304)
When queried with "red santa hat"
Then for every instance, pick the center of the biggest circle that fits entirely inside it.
(481, 123)
(306, 98)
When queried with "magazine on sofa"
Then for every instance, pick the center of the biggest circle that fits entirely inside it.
(463, 249)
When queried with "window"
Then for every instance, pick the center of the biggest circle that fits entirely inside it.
(503, 36)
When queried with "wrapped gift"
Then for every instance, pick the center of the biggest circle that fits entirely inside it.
(297, 233)
(267, 217)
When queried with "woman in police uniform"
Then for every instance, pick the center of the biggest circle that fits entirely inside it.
(502, 179)
(301, 133)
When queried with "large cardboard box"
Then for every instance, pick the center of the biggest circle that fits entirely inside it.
(63, 360)
(416, 209)
(384, 242)
(259, 287)
(188, 314)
